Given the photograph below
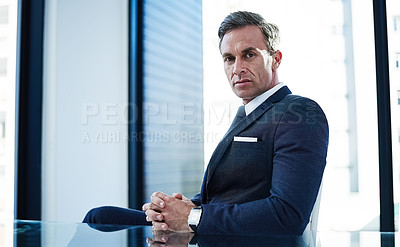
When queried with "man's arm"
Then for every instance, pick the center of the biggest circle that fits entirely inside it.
(196, 199)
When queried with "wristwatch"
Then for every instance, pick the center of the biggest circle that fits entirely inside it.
(194, 218)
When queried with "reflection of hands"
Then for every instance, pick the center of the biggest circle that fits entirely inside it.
(169, 212)
(166, 238)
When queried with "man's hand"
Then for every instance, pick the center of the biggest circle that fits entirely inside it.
(169, 212)
(162, 238)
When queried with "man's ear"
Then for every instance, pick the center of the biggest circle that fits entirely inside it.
(277, 58)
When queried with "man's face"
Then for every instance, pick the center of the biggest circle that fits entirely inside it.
(248, 66)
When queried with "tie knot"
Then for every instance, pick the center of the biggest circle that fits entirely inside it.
(241, 112)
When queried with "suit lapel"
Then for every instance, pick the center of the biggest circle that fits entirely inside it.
(242, 125)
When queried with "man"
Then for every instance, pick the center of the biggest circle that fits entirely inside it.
(264, 176)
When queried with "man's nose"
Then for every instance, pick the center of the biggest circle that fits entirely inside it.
(239, 67)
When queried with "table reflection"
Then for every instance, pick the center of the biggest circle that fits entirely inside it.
(184, 239)
(36, 233)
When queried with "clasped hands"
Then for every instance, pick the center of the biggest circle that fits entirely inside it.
(169, 213)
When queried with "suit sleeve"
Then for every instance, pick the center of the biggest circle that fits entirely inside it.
(300, 149)
(196, 199)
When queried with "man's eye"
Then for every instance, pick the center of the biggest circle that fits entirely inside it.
(249, 55)
(229, 59)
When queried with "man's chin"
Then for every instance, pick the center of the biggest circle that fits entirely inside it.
(246, 99)
(241, 94)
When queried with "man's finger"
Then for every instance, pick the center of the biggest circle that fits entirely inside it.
(153, 243)
(160, 236)
(146, 206)
(154, 215)
(151, 206)
(159, 199)
(159, 226)
(178, 196)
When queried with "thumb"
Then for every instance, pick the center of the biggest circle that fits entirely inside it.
(177, 195)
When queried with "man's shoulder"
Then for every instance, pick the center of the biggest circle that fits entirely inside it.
(294, 97)
(283, 100)
(299, 105)
(284, 94)
(297, 99)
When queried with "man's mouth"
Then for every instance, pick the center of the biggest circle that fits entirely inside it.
(242, 81)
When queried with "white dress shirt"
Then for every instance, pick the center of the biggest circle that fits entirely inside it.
(254, 103)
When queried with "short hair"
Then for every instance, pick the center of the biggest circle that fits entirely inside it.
(241, 19)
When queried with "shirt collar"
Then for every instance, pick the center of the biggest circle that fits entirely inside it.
(254, 103)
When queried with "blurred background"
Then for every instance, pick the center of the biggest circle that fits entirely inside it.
(134, 99)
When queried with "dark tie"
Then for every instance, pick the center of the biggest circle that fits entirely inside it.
(241, 113)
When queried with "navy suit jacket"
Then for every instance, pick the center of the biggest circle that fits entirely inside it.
(269, 186)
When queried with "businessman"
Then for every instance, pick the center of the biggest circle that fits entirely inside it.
(264, 175)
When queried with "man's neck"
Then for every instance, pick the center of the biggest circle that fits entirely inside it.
(251, 105)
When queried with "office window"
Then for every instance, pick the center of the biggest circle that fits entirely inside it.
(8, 31)
(337, 30)
(3, 14)
(173, 97)
(2, 147)
(393, 10)
(398, 97)
(3, 40)
(2, 125)
(3, 67)
(396, 23)
(398, 135)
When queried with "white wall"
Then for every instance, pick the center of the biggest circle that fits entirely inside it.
(85, 91)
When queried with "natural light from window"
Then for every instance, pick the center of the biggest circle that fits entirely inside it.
(328, 56)
(8, 31)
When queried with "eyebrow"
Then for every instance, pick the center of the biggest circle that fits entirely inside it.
(227, 54)
(248, 50)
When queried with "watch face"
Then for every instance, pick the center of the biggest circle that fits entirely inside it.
(194, 216)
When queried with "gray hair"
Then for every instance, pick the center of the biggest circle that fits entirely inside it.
(241, 19)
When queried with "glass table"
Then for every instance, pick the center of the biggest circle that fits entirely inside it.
(37, 233)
